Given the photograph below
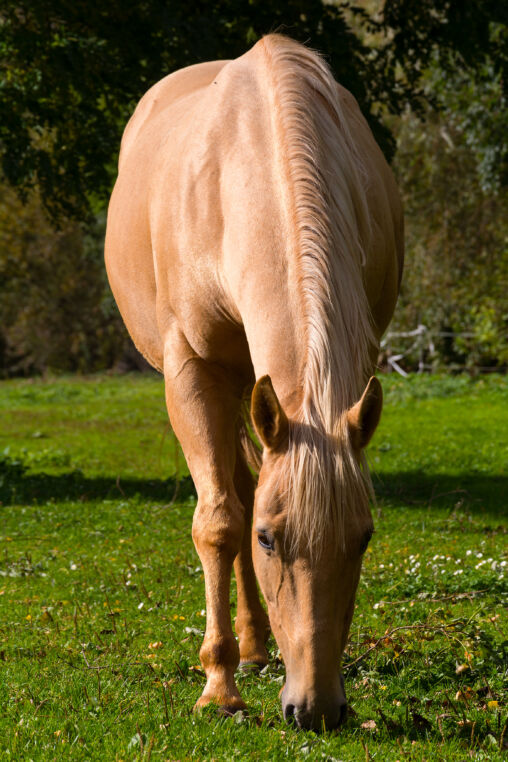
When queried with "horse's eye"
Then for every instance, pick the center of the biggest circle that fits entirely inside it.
(266, 541)
(365, 541)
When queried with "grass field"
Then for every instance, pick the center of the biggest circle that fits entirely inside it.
(101, 591)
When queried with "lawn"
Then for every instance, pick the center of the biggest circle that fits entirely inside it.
(101, 591)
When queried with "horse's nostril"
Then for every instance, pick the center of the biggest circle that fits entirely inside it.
(289, 712)
(343, 714)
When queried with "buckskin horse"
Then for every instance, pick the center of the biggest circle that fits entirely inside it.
(254, 242)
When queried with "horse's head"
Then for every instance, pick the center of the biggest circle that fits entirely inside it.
(308, 561)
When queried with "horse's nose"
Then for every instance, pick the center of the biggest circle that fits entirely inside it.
(289, 712)
(329, 720)
(315, 718)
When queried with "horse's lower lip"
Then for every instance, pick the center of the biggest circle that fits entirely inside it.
(306, 722)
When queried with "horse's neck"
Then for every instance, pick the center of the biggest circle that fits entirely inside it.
(274, 328)
(299, 309)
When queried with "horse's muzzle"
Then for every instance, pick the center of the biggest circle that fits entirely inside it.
(324, 715)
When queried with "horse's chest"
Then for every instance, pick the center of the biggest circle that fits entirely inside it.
(214, 336)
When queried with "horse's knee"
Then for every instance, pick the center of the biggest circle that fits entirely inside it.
(218, 525)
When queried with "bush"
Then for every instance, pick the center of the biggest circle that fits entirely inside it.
(56, 310)
(456, 209)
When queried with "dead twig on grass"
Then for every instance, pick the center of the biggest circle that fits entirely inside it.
(443, 629)
(455, 596)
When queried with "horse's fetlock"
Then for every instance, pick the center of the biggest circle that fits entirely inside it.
(220, 651)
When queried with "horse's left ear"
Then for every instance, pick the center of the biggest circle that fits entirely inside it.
(363, 417)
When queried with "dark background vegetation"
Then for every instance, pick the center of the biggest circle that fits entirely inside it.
(430, 75)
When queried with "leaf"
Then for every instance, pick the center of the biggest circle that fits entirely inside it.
(369, 725)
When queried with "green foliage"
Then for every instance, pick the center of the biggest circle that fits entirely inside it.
(101, 591)
(467, 32)
(452, 170)
(70, 73)
(56, 309)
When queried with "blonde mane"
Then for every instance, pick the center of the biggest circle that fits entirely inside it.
(329, 207)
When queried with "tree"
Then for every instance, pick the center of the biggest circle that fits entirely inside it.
(452, 171)
(71, 72)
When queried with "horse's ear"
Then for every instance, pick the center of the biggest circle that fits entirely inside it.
(363, 417)
(268, 417)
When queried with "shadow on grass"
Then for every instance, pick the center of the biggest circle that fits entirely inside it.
(477, 493)
(474, 492)
(17, 485)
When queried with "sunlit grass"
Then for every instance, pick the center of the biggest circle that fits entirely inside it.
(101, 591)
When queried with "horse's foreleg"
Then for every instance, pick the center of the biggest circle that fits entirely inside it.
(251, 622)
(203, 415)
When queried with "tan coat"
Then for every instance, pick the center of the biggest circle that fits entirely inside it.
(249, 193)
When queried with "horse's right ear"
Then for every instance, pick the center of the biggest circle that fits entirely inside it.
(268, 417)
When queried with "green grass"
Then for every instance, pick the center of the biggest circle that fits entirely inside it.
(101, 591)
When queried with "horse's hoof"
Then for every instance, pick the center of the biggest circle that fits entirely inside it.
(225, 706)
(251, 665)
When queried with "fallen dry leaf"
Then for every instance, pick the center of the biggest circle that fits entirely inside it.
(464, 695)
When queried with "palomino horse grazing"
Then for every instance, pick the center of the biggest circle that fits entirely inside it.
(255, 232)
